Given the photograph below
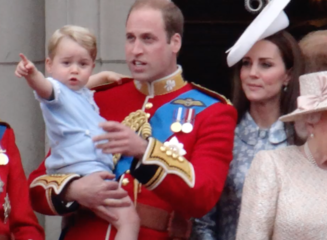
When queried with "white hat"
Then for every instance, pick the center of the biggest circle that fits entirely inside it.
(271, 20)
(313, 96)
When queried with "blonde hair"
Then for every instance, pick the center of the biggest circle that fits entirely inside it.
(314, 49)
(80, 35)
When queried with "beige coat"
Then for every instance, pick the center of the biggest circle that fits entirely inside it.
(284, 198)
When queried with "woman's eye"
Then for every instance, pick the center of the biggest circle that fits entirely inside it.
(245, 63)
(266, 65)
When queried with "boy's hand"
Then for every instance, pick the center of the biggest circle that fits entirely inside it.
(115, 77)
(105, 77)
(25, 67)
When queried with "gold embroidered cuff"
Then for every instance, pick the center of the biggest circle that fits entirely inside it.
(168, 162)
(56, 182)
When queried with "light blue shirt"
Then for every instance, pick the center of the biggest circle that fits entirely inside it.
(72, 119)
(221, 222)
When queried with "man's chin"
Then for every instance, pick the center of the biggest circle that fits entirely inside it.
(142, 77)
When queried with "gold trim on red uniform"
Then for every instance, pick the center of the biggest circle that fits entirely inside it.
(55, 181)
(156, 154)
(48, 193)
(211, 93)
(162, 86)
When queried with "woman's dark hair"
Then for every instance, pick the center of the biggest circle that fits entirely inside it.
(294, 65)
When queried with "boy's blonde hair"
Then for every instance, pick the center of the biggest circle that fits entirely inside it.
(81, 35)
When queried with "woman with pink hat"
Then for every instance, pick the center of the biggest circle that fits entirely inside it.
(284, 195)
(268, 64)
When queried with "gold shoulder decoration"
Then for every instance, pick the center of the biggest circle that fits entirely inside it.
(212, 93)
(169, 162)
(54, 181)
(138, 122)
(188, 102)
(5, 124)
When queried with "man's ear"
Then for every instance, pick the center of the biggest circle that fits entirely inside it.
(48, 65)
(176, 43)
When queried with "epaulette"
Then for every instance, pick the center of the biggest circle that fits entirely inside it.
(3, 128)
(109, 85)
(211, 93)
(2, 123)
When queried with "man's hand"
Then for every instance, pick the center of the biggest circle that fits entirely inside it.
(25, 67)
(95, 192)
(121, 139)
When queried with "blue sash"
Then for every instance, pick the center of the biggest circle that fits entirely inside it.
(162, 119)
(2, 131)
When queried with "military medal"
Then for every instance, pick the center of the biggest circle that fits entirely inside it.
(177, 126)
(188, 121)
(187, 127)
(3, 157)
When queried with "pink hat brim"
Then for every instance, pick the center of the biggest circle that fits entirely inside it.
(298, 114)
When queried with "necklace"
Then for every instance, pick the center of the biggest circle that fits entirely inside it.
(309, 154)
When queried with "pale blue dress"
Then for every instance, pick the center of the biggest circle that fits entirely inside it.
(221, 222)
(72, 119)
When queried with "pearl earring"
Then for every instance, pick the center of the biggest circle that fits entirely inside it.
(312, 135)
(285, 88)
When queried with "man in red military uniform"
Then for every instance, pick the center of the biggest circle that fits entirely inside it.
(17, 219)
(172, 141)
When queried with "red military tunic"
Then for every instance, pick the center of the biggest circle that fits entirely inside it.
(17, 219)
(187, 186)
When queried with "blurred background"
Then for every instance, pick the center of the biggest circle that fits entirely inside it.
(211, 27)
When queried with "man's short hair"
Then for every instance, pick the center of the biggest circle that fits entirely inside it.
(314, 49)
(172, 16)
(81, 35)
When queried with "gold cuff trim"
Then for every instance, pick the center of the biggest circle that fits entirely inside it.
(156, 179)
(48, 194)
(56, 182)
(169, 164)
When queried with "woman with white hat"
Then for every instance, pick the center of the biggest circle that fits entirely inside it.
(284, 194)
(268, 64)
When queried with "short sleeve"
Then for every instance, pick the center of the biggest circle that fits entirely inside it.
(56, 93)
(259, 199)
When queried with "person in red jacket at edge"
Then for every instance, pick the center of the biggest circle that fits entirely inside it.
(172, 141)
(17, 219)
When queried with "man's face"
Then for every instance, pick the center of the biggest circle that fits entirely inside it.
(148, 54)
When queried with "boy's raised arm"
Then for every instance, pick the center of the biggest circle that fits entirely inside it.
(34, 77)
(103, 78)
